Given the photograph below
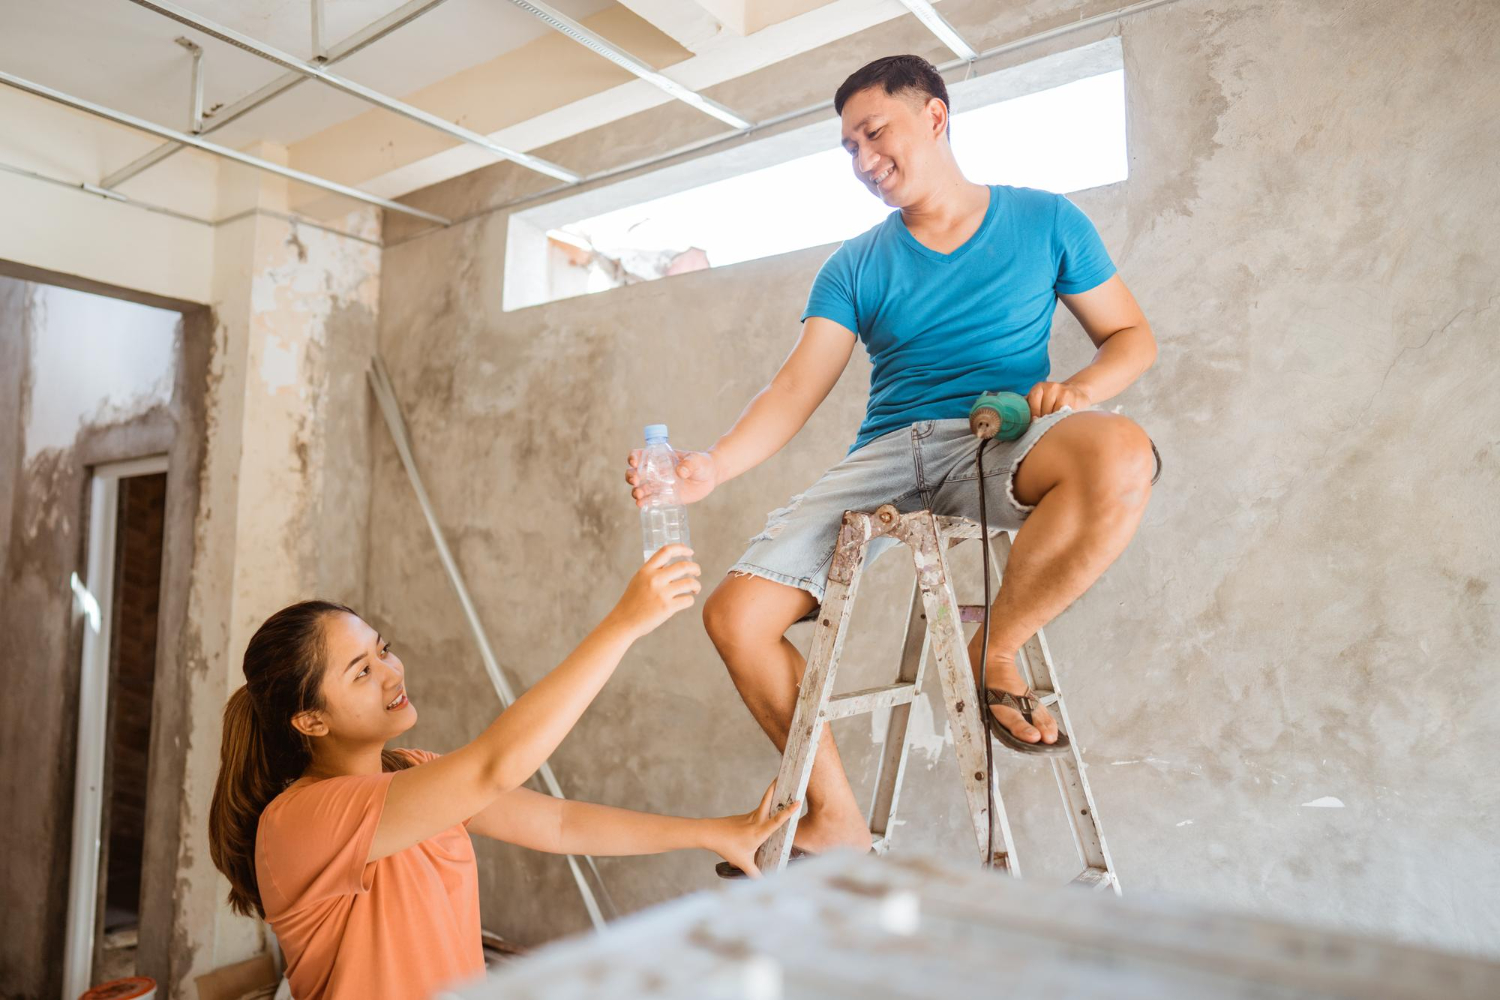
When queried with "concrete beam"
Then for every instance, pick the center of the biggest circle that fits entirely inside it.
(551, 89)
(687, 22)
(543, 74)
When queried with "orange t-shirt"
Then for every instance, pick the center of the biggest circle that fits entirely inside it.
(399, 928)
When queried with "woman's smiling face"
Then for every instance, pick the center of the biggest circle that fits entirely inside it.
(364, 684)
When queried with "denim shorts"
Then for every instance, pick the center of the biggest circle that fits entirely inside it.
(927, 466)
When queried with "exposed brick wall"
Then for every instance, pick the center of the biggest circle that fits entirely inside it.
(133, 670)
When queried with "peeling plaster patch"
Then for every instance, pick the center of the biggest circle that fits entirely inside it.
(343, 270)
(297, 244)
(1186, 822)
(278, 366)
(1326, 802)
(922, 734)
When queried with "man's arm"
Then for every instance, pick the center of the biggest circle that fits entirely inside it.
(1113, 320)
(781, 409)
(773, 417)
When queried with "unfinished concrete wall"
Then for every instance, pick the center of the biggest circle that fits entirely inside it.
(87, 379)
(1283, 687)
(285, 482)
(266, 429)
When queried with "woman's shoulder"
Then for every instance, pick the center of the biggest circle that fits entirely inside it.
(315, 795)
(417, 755)
(327, 800)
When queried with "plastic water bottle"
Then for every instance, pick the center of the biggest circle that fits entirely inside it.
(664, 518)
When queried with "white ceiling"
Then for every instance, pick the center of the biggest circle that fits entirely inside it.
(121, 55)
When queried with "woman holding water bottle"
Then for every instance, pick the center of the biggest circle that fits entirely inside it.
(357, 854)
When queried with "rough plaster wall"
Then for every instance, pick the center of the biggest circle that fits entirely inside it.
(284, 514)
(12, 366)
(1307, 615)
(45, 507)
(284, 481)
(312, 302)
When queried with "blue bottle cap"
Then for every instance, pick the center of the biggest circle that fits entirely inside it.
(656, 432)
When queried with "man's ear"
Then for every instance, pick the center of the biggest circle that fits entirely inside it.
(937, 116)
(310, 723)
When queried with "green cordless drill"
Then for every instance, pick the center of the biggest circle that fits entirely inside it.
(1004, 415)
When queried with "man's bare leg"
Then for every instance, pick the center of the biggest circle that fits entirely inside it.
(747, 618)
(1089, 478)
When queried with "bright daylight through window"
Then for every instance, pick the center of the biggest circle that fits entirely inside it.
(1063, 138)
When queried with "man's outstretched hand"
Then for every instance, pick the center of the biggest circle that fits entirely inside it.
(696, 476)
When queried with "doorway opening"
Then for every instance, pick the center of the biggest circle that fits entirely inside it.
(121, 603)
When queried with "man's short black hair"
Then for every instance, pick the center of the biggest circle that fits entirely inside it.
(896, 75)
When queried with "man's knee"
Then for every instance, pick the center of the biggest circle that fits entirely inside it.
(746, 612)
(727, 618)
(1118, 459)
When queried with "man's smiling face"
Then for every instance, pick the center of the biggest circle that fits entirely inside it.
(892, 141)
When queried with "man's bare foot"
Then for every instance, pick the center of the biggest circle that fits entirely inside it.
(817, 832)
(1003, 675)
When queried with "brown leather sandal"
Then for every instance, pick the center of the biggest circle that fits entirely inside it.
(1025, 703)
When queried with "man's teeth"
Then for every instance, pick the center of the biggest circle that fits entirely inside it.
(884, 174)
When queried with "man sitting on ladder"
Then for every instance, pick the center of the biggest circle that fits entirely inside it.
(952, 295)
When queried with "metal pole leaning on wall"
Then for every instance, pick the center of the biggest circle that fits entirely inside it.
(385, 397)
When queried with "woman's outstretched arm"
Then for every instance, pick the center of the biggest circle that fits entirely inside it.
(428, 799)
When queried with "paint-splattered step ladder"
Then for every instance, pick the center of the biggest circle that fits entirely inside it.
(928, 537)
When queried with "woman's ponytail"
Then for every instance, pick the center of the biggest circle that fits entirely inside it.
(247, 784)
(262, 752)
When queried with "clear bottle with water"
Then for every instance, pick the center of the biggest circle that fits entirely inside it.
(664, 517)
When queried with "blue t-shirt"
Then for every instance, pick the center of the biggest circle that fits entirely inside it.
(941, 328)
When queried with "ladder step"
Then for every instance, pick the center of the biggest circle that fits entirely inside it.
(954, 528)
(868, 700)
(971, 613)
(1094, 878)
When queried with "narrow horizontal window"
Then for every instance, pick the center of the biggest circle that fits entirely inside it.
(1065, 132)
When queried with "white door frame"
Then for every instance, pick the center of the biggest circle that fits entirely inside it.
(94, 599)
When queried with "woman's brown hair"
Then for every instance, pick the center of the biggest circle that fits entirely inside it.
(262, 753)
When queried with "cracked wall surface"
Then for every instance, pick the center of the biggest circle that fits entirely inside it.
(1282, 688)
(265, 425)
(285, 496)
(84, 379)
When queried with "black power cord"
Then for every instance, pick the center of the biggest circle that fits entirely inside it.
(984, 662)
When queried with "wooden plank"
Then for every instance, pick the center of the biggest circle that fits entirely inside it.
(1094, 878)
(894, 753)
(950, 650)
(867, 700)
(817, 683)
